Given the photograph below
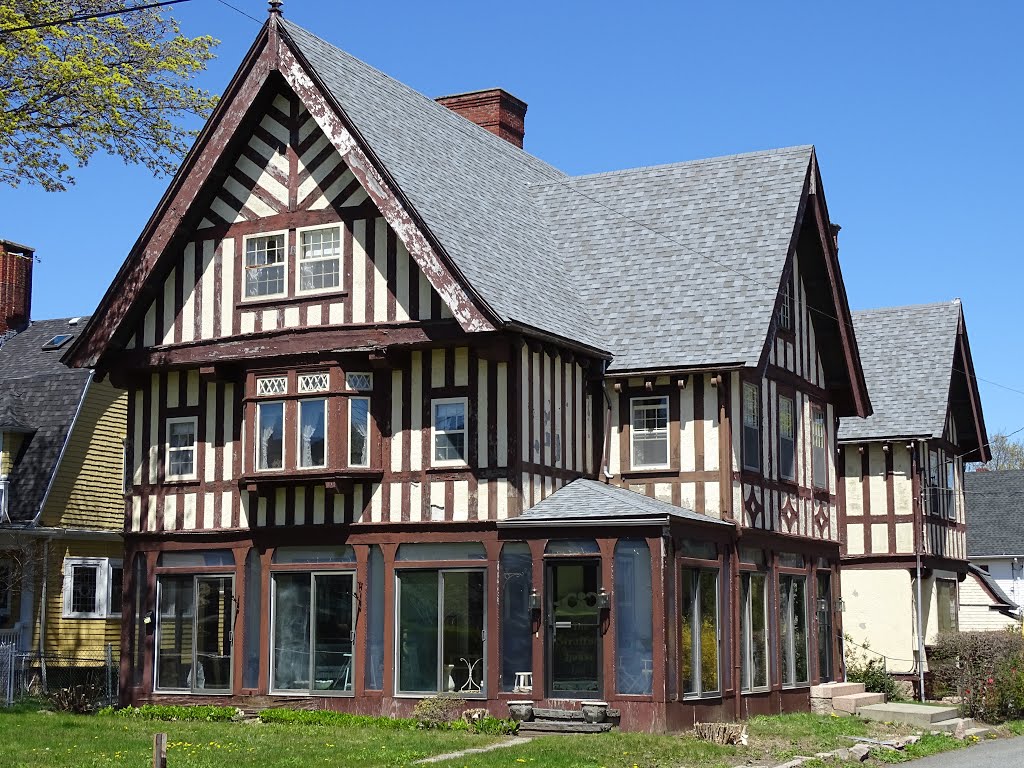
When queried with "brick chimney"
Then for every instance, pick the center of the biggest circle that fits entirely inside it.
(15, 286)
(495, 109)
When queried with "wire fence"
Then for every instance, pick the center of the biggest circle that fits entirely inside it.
(86, 679)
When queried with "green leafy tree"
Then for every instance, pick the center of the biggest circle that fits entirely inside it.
(1007, 453)
(118, 85)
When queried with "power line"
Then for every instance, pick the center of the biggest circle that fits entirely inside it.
(88, 16)
(239, 10)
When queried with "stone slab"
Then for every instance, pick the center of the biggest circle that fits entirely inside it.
(951, 725)
(919, 715)
(539, 713)
(831, 690)
(855, 701)
(564, 726)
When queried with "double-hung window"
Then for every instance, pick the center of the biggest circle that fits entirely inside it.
(319, 259)
(751, 427)
(787, 439)
(793, 628)
(449, 431)
(270, 435)
(649, 432)
(753, 631)
(92, 587)
(698, 641)
(181, 448)
(819, 447)
(266, 258)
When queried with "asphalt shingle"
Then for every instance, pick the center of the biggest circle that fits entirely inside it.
(995, 513)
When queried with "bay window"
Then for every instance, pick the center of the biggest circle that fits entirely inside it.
(313, 433)
(751, 427)
(698, 639)
(793, 628)
(787, 439)
(358, 432)
(265, 260)
(753, 631)
(270, 435)
(649, 432)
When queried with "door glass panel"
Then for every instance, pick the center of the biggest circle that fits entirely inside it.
(291, 631)
(332, 649)
(417, 631)
(574, 629)
(462, 648)
(174, 640)
(215, 612)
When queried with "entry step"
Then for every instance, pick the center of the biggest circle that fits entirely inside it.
(540, 713)
(563, 726)
(920, 715)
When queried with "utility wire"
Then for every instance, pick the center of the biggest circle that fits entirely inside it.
(239, 10)
(88, 16)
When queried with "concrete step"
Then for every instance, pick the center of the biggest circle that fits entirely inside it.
(563, 726)
(979, 733)
(854, 701)
(920, 715)
(557, 714)
(950, 726)
(831, 690)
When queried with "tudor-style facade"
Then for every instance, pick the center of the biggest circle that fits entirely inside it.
(903, 479)
(368, 465)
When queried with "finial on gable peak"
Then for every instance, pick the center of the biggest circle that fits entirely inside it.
(274, 8)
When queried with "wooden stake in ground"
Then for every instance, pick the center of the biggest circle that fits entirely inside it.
(159, 750)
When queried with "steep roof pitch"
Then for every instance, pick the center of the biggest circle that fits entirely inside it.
(1002, 601)
(995, 513)
(46, 395)
(916, 369)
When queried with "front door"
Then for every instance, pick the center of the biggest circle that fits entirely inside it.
(825, 641)
(573, 629)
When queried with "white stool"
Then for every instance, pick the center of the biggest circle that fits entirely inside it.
(524, 682)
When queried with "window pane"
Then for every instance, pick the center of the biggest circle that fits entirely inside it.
(375, 620)
(358, 432)
(174, 632)
(787, 442)
(572, 547)
(214, 628)
(196, 559)
(687, 612)
(116, 585)
(759, 630)
(253, 613)
(139, 590)
(634, 631)
(319, 257)
(818, 440)
(181, 440)
(449, 416)
(291, 631)
(450, 431)
(342, 553)
(270, 439)
(417, 631)
(312, 433)
(650, 431)
(450, 446)
(751, 427)
(516, 574)
(650, 449)
(83, 588)
(264, 266)
(786, 628)
(332, 652)
(462, 649)
(800, 627)
(708, 631)
(456, 550)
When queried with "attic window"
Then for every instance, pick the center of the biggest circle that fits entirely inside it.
(58, 341)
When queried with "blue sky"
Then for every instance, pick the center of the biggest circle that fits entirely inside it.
(915, 109)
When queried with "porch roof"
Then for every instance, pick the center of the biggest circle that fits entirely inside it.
(591, 502)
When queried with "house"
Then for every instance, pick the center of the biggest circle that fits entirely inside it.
(61, 487)
(412, 412)
(903, 479)
(991, 596)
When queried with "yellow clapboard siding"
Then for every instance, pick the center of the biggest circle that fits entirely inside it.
(87, 491)
(10, 444)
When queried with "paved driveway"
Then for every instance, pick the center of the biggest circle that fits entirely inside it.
(1000, 753)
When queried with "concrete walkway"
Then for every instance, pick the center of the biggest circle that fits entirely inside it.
(515, 741)
(995, 753)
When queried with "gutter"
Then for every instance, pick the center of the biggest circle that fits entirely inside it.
(72, 534)
(63, 450)
(578, 522)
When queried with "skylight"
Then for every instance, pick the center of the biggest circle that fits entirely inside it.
(58, 341)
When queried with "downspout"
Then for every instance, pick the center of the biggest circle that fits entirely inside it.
(63, 450)
(42, 612)
(606, 443)
(920, 598)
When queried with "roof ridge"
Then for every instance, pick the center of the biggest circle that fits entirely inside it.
(903, 307)
(618, 491)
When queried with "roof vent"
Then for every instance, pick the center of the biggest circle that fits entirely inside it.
(74, 321)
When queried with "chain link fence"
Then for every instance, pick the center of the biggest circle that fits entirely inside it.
(87, 677)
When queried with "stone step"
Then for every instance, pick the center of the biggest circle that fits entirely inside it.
(564, 726)
(979, 733)
(920, 715)
(831, 690)
(854, 701)
(950, 726)
(557, 714)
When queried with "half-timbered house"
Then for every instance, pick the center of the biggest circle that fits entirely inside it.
(413, 412)
(902, 480)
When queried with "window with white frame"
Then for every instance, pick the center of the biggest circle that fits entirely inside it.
(320, 259)
(449, 431)
(181, 448)
(751, 427)
(265, 263)
(649, 432)
(270, 435)
(92, 587)
(314, 382)
(271, 385)
(787, 438)
(313, 433)
(359, 431)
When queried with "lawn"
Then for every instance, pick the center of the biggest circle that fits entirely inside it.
(33, 739)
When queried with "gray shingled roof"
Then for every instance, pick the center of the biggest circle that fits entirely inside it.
(591, 501)
(46, 395)
(995, 513)
(907, 355)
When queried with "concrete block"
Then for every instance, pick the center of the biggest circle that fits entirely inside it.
(953, 724)
(831, 690)
(919, 715)
(855, 701)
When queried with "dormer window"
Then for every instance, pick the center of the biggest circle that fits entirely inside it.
(266, 259)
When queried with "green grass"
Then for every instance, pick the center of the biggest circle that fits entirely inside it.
(930, 744)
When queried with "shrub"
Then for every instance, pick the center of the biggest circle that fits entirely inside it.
(174, 712)
(440, 712)
(870, 670)
(985, 670)
(79, 699)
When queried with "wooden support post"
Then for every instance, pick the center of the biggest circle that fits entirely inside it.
(159, 750)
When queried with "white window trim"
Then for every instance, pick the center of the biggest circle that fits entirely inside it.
(244, 266)
(369, 458)
(194, 421)
(104, 567)
(284, 432)
(298, 260)
(435, 462)
(298, 434)
(632, 433)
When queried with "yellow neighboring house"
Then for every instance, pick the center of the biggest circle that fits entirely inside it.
(61, 503)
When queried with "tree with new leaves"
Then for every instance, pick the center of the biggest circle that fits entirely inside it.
(1007, 453)
(118, 85)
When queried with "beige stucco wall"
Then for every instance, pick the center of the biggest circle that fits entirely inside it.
(879, 611)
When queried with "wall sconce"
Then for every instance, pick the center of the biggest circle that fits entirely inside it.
(841, 605)
(822, 605)
(604, 600)
(534, 600)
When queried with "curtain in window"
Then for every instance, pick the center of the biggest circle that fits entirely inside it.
(634, 616)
